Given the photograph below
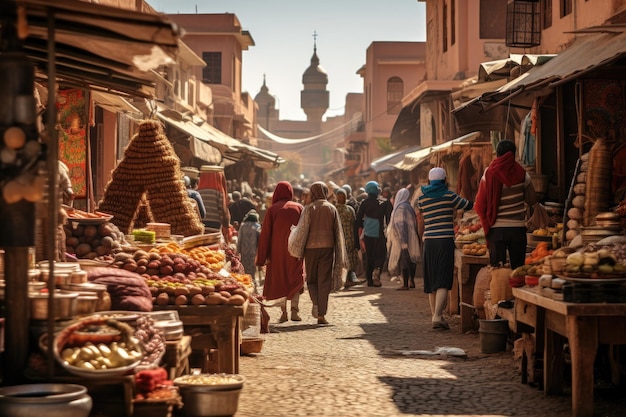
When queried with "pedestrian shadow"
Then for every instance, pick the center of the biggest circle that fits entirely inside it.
(296, 328)
(450, 395)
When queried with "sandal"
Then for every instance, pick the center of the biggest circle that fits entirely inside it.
(441, 325)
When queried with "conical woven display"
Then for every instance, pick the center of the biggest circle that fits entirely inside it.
(598, 188)
(150, 170)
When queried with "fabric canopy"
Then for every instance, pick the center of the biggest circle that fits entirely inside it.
(406, 128)
(97, 47)
(412, 160)
(113, 103)
(602, 46)
(212, 145)
(387, 162)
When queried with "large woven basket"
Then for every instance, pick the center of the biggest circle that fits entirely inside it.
(598, 187)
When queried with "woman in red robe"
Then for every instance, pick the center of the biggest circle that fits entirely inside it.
(284, 276)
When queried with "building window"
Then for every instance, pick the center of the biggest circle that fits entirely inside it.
(212, 73)
(546, 13)
(452, 22)
(566, 7)
(444, 27)
(492, 14)
(395, 92)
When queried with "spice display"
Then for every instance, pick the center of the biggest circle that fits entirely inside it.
(150, 170)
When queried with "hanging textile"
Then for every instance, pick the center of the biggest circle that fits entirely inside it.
(529, 151)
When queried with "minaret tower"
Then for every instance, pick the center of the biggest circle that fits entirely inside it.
(314, 96)
(267, 107)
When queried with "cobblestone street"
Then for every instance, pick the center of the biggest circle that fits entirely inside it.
(355, 365)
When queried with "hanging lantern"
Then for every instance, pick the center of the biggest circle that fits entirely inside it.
(523, 23)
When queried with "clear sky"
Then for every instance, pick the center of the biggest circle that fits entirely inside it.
(283, 34)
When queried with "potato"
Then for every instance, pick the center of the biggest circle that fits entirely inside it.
(207, 289)
(72, 241)
(166, 270)
(162, 299)
(181, 300)
(214, 299)
(235, 300)
(83, 249)
(90, 232)
(194, 290)
(182, 290)
(102, 250)
(107, 241)
(140, 254)
(197, 299)
(130, 266)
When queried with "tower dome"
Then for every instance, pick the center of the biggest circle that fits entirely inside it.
(314, 98)
(266, 103)
(315, 74)
(264, 97)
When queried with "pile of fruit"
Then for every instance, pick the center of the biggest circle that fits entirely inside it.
(538, 254)
(594, 263)
(475, 249)
(549, 231)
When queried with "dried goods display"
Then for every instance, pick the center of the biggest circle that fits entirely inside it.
(597, 262)
(150, 170)
(93, 241)
(191, 278)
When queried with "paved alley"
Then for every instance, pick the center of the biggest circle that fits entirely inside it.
(355, 366)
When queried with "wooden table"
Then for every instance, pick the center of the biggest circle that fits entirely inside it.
(585, 325)
(467, 268)
(176, 357)
(218, 327)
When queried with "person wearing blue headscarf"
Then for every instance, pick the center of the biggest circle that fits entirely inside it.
(371, 220)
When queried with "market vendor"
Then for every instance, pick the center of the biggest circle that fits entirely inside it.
(502, 192)
(214, 193)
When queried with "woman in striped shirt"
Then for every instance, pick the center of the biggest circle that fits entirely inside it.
(436, 205)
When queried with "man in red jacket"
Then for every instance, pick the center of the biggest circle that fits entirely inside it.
(503, 190)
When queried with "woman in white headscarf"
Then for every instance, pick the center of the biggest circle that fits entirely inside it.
(402, 240)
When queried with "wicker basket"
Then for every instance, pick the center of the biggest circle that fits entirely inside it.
(598, 187)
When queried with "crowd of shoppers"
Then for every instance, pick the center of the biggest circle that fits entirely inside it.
(314, 235)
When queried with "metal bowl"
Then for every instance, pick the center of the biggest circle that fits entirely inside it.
(64, 305)
(45, 400)
(210, 394)
(33, 286)
(210, 382)
(86, 303)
